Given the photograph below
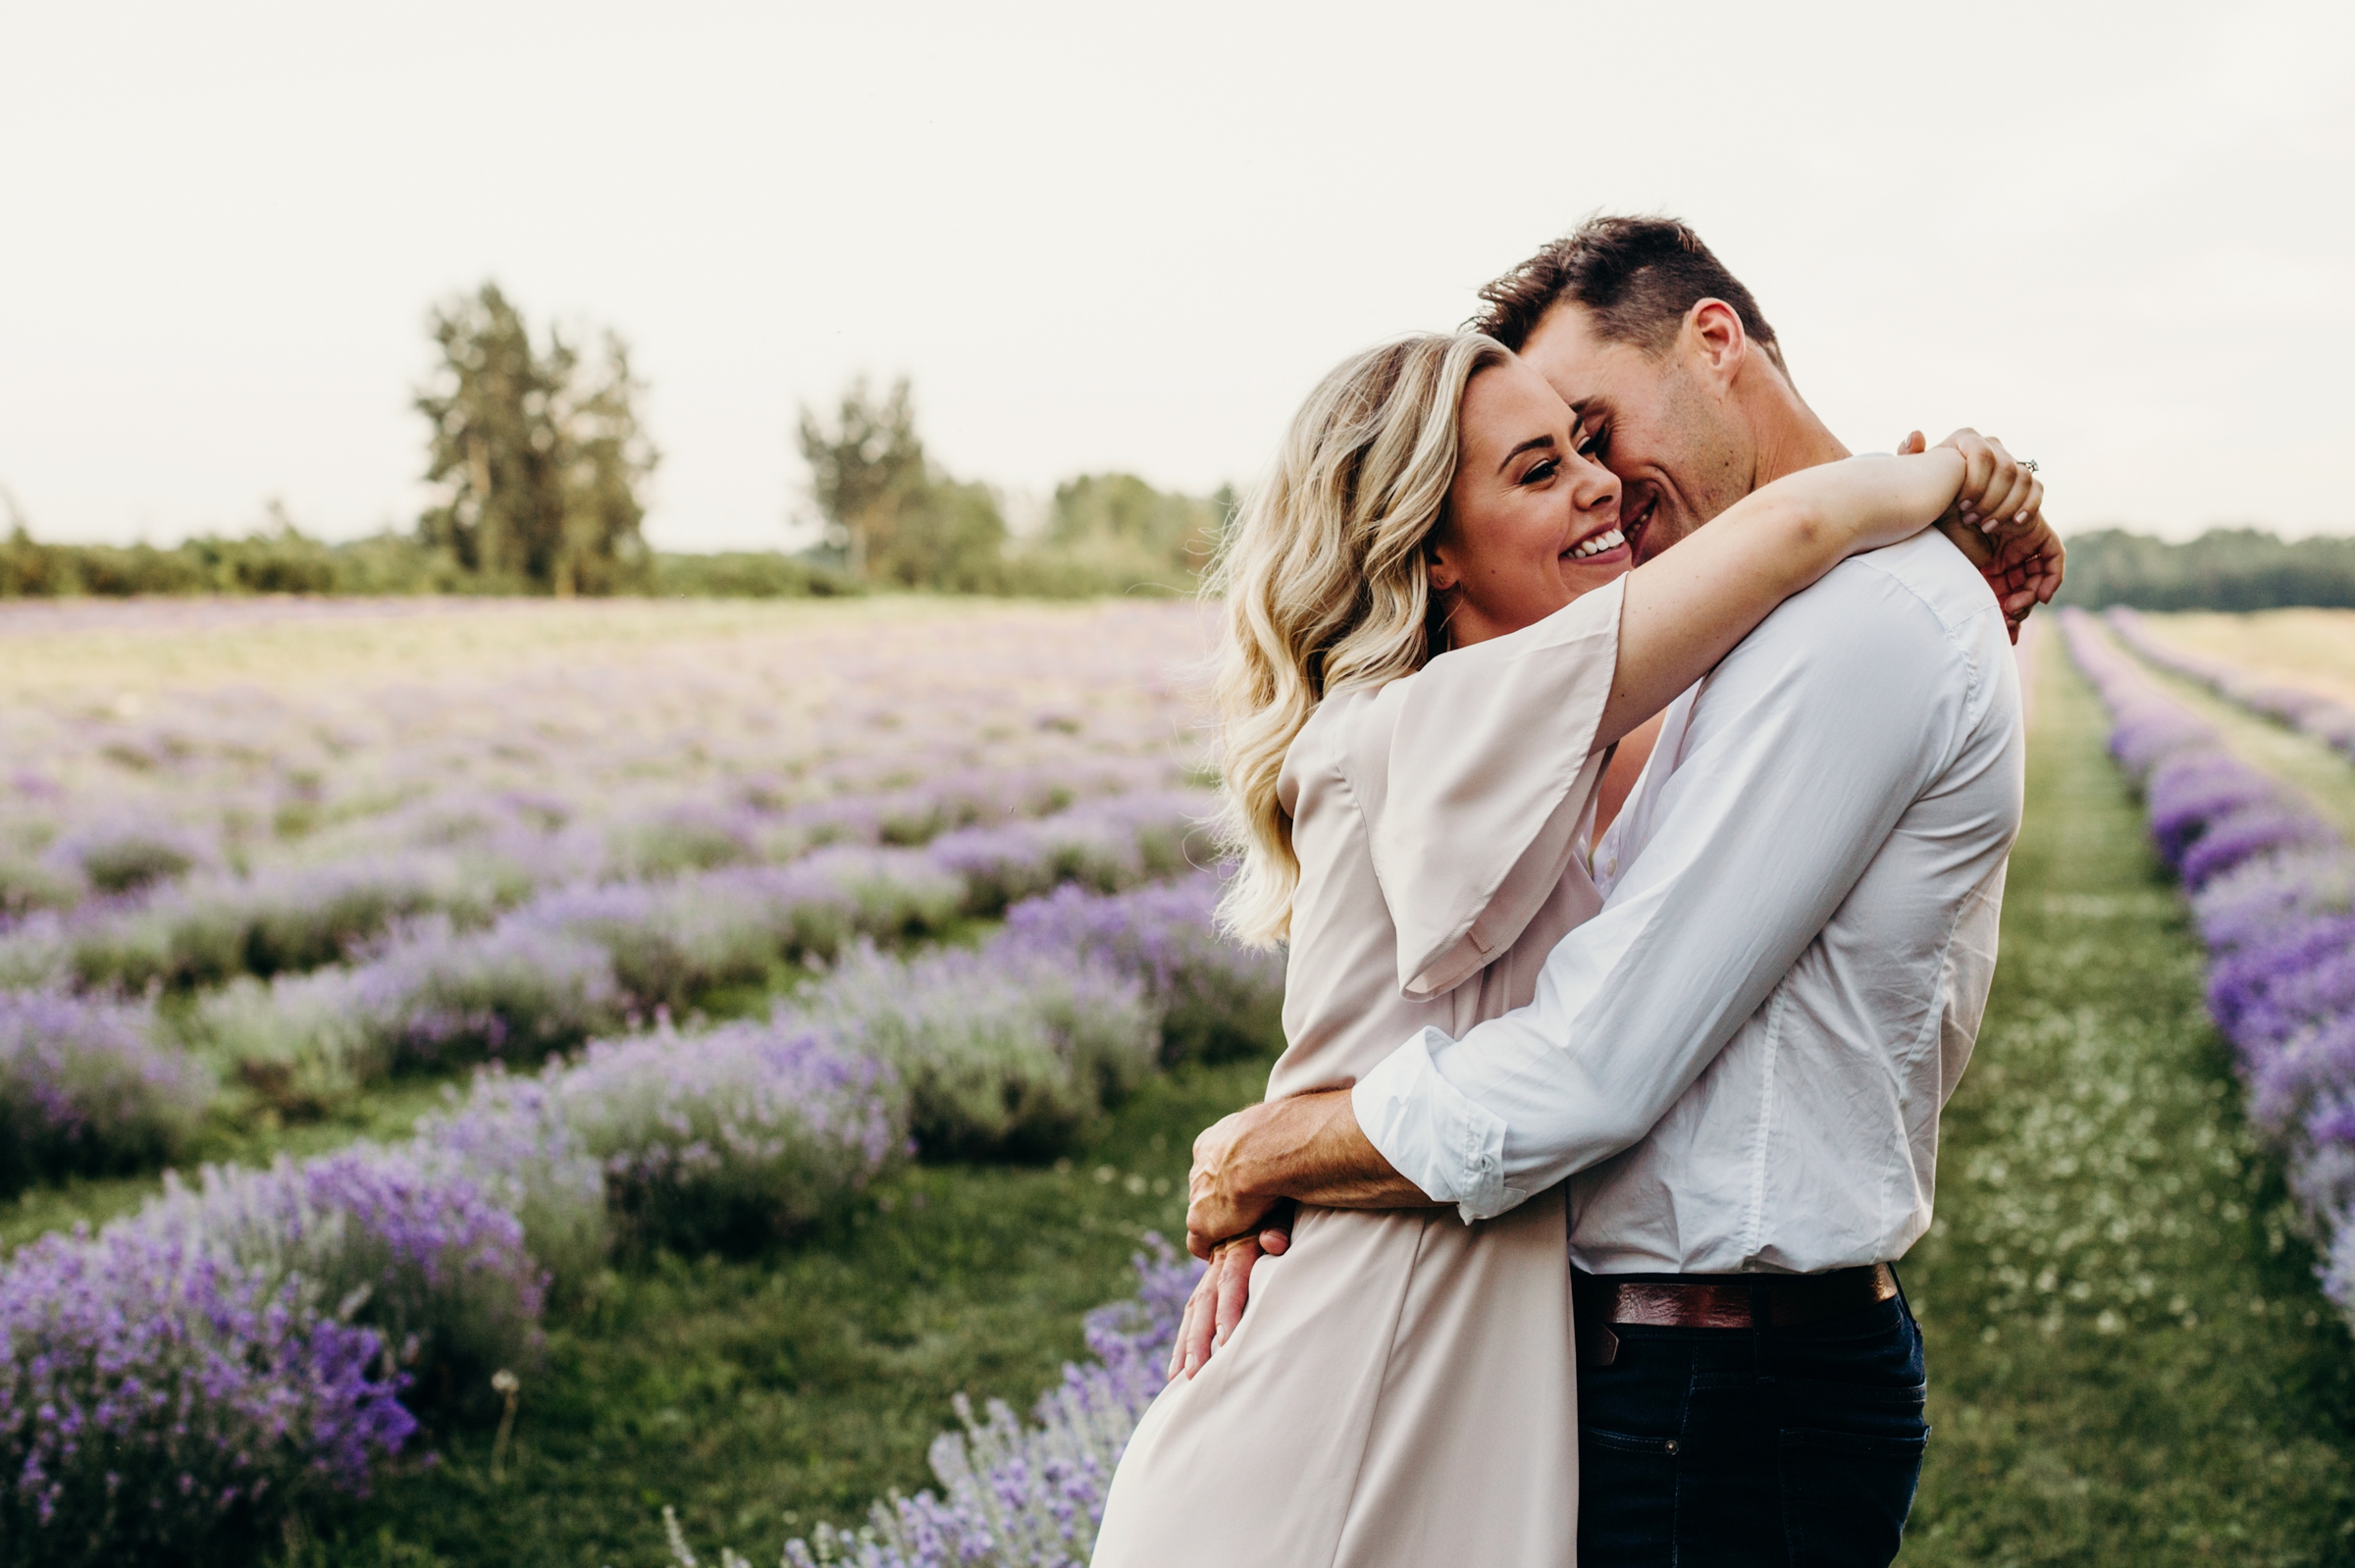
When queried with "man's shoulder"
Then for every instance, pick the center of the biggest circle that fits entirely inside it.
(1915, 595)
(1916, 616)
(1926, 569)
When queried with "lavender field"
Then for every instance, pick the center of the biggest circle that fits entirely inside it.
(686, 932)
(636, 1084)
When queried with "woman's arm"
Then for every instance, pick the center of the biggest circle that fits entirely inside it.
(1686, 609)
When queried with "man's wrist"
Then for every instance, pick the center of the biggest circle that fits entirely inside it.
(1265, 1161)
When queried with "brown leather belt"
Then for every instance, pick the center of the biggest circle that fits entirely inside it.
(1718, 1301)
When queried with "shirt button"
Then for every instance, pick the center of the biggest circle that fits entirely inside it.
(1672, 1445)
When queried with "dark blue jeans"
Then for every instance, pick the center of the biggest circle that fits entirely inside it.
(1727, 1447)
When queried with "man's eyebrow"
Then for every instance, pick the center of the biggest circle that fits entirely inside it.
(1533, 442)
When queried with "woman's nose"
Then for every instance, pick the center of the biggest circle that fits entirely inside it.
(1599, 487)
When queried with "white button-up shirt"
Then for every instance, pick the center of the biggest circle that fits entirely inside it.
(1740, 1063)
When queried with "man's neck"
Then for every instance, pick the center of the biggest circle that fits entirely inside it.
(1790, 437)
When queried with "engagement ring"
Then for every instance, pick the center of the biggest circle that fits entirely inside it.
(2028, 463)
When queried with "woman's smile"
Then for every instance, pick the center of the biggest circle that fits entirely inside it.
(1604, 547)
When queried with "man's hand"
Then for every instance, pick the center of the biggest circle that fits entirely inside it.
(1304, 1146)
(1221, 1294)
(1997, 522)
(1220, 1204)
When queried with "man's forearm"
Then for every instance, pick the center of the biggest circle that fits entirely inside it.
(1306, 1147)
(1310, 1148)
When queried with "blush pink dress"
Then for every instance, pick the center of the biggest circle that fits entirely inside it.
(1402, 1389)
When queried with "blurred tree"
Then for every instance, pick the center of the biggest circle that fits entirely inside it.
(895, 517)
(1125, 529)
(538, 454)
(864, 470)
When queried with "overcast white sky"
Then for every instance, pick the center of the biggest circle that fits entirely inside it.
(1119, 236)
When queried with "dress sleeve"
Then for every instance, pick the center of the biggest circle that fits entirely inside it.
(1488, 766)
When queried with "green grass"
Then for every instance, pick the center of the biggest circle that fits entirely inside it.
(2129, 1359)
(760, 1395)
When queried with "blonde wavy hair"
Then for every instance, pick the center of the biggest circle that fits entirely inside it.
(1324, 581)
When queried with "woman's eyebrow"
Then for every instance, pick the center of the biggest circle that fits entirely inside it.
(1529, 445)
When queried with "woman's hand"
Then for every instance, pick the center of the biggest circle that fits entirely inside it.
(1221, 1294)
(1997, 488)
(1998, 521)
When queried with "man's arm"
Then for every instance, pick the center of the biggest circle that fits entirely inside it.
(1307, 1147)
(1806, 745)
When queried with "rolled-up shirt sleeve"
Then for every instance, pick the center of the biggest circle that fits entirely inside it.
(1805, 747)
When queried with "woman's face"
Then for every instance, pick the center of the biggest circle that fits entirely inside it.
(1532, 522)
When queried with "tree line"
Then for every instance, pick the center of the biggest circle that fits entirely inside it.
(2224, 569)
(538, 458)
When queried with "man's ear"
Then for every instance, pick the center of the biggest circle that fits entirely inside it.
(1713, 340)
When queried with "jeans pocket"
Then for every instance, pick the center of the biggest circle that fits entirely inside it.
(1847, 1489)
(1626, 1497)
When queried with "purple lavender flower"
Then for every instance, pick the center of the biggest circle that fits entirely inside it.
(161, 1397)
(87, 1087)
(1003, 1053)
(1216, 998)
(431, 996)
(746, 1132)
(2273, 889)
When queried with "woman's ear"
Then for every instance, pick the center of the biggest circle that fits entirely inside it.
(1438, 569)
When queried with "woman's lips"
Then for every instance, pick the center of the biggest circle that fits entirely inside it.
(1597, 546)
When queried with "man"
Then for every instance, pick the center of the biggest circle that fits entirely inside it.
(1740, 1063)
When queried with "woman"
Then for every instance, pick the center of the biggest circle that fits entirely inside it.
(1414, 827)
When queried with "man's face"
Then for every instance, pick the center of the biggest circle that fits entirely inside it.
(1650, 421)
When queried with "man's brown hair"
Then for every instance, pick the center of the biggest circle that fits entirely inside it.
(1635, 276)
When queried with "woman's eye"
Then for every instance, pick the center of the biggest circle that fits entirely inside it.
(1595, 445)
(1541, 470)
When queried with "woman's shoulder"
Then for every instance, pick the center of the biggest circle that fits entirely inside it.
(1349, 725)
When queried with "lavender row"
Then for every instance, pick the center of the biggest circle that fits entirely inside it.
(1008, 1049)
(192, 1372)
(470, 859)
(2309, 712)
(2272, 893)
(91, 1085)
(1015, 1494)
(578, 961)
